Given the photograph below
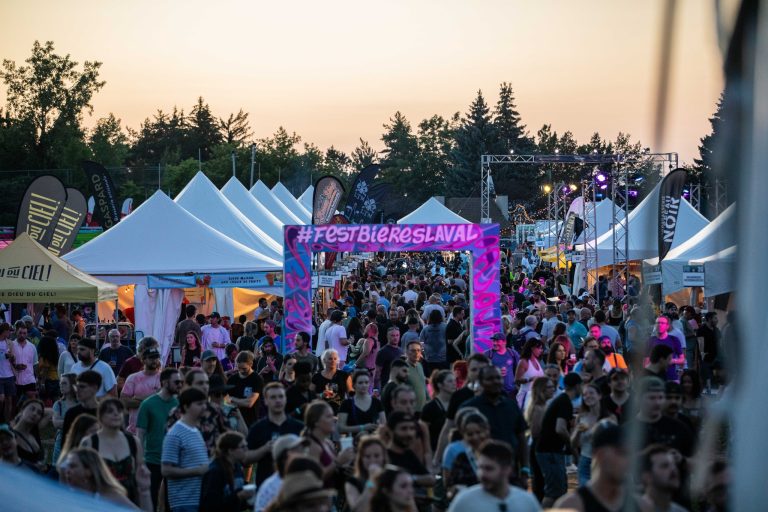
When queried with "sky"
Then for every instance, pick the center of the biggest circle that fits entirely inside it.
(335, 71)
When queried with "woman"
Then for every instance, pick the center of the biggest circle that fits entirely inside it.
(287, 373)
(559, 330)
(27, 424)
(85, 470)
(331, 383)
(83, 426)
(269, 364)
(319, 426)
(433, 339)
(692, 406)
(558, 355)
(362, 412)
(528, 368)
(460, 371)
(474, 430)
(542, 391)
(60, 408)
(354, 329)
(121, 451)
(191, 350)
(69, 356)
(393, 491)
(371, 458)
(229, 363)
(367, 349)
(248, 340)
(589, 414)
(223, 483)
(443, 384)
(616, 313)
(47, 369)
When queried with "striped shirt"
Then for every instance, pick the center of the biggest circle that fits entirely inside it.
(184, 447)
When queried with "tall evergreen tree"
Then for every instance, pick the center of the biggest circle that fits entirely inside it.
(203, 132)
(475, 137)
(236, 129)
(400, 153)
(363, 156)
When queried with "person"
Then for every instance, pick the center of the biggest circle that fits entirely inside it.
(606, 330)
(214, 337)
(248, 340)
(456, 334)
(370, 460)
(229, 362)
(660, 478)
(60, 407)
(659, 362)
(398, 376)
(320, 424)
(134, 364)
(115, 354)
(184, 456)
(433, 340)
(594, 369)
(549, 322)
(26, 426)
(368, 349)
(663, 337)
(191, 350)
(263, 433)
(542, 391)
(392, 491)
(673, 399)
(247, 387)
(222, 488)
(269, 364)
(88, 384)
(332, 383)
(386, 355)
(212, 364)
(716, 486)
(120, 450)
(302, 492)
(362, 412)
(615, 359)
(287, 375)
(590, 412)
(443, 384)
(616, 403)
(86, 349)
(528, 368)
(692, 406)
(24, 362)
(403, 428)
(711, 343)
(555, 440)
(261, 308)
(189, 324)
(495, 466)
(47, 374)
(575, 330)
(9, 450)
(416, 377)
(83, 426)
(68, 357)
(270, 332)
(558, 355)
(150, 424)
(84, 469)
(78, 323)
(61, 323)
(506, 360)
(141, 385)
(7, 376)
(304, 351)
(300, 393)
(462, 470)
(336, 337)
(285, 449)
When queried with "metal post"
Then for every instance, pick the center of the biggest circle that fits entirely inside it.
(159, 183)
(233, 164)
(199, 160)
(253, 162)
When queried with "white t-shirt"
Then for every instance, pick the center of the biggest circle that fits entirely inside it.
(429, 308)
(474, 499)
(215, 335)
(321, 331)
(410, 296)
(548, 327)
(333, 334)
(108, 380)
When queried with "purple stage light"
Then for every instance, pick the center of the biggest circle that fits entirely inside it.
(600, 177)
(603, 187)
(633, 193)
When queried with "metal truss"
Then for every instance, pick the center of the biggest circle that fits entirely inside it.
(589, 216)
(721, 196)
(620, 237)
(695, 196)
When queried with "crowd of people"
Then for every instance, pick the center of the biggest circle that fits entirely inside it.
(592, 402)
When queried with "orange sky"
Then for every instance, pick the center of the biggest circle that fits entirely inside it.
(336, 70)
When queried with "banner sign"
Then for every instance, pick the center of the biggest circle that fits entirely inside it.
(237, 280)
(670, 196)
(103, 190)
(481, 240)
(325, 202)
(330, 257)
(566, 235)
(40, 207)
(69, 222)
(652, 275)
(361, 204)
(326, 281)
(693, 275)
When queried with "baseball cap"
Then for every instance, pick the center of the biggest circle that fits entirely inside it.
(209, 354)
(26, 318)
(498, 336)
(87, 342)
(286, 442)
(151, 352)
(607, 433)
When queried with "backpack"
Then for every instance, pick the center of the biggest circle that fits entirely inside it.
(520, 338)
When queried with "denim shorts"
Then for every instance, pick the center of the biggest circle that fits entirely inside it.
(8, 386)
(555, 478)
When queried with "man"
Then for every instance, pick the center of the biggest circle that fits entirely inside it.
(549, 323)
(606, 489)
(322, 342)
(78, 323)
(214, 337)
(661, 478)
(505, 359)
(404, 400)
(663, 337)
(673, 401)
(660, 361)
(247, 387)
(186, 325)
(495, 466)
(434, 305)
(263, 306)
(269, 332)
(402, 427)
(617, 401)
(141, 385)
(303, 351)
(414, 329)
(301, 392)
(504, 417)
(594, 371)
(86, 389)
(86, 355)
(115, 354)
(555, 440)
(7, 377)
(456, 335)
(24, 363)
(134, 364)
(386, 355)
(416, 377)
(150, 424)
(184, 457)
(262, 434)
(284, 449)
(336, 336)
(398, 377)
(607, 330)
(9, 450)
(711, 343)
(526, 333)
(410, 295)
(575, 330)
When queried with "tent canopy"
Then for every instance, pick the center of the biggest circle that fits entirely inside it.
(265, 196)
(202, 199)
(433, 212)
(30, 273)
(239, 196)
(161, 237)
(284, 195)
(307, 197)
(603, 218)
(718, 271)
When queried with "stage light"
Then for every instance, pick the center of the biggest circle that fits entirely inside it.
(557, 151)
(511, 151)
(600, 178)
(547, 188)
(633, 193)
(566, 190)
(603, 187)
(572, 187)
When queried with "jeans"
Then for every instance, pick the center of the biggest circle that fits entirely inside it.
(555, 478)
(585, 470)
(155, 482)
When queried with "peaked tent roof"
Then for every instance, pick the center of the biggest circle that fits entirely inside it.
(161, 237)
(202, 199)
(603, 217)
(239, 196)
(433, 212)
(718, 271)
(284, 195)
(43, 277)
(265, 196)
(307, 197)
(643, 228)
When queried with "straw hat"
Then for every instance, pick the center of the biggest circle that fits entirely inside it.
(300, 488)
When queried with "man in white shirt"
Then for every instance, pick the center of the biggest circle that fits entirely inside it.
(410, 295)
(549, 323)
(215, 337)
(434, 304)
(336, 336)
(259, 310)
(321, 331)
(86, 355)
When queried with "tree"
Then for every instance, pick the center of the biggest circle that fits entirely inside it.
(50, 91)
(433, 161)
(161, 139)
(400, 153)
(236, 129)
(363, 156)
(108, 143)
(475, 137)
(203, 133)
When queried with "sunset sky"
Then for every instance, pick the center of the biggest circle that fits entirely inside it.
(336, 70)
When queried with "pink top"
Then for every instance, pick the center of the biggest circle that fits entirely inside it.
(25, 354)
(139, 386)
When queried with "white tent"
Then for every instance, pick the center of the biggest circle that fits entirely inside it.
(306, 198)
(202, 199)
(603, 217)
(433, 212)
(643, 230)
(256, 212)
(718, 271)
(284, 195)
(718, 235)
(265, 196)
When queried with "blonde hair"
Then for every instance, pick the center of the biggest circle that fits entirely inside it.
(103, 480)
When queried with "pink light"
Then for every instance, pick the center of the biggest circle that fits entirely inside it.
(603, 187)
(600, 178)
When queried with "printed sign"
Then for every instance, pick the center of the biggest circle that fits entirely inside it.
(652, 275)
(40, 207)
(326, 281)
(238, 280)
(693, 275)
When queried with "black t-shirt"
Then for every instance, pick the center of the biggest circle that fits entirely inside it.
(504, 418)
(452, 331)
(337, 384)
(667, 431)
(608, 406)
(549, 440)
(385, 356)
(433, 414)
(408, 461)
(710, 342)
(648, 373)
(244, 388)
(264, 431)
(70, 417)
(458, 398)
(356, 416)
(294, 399)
